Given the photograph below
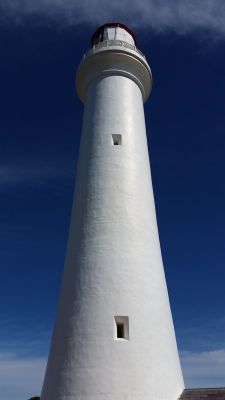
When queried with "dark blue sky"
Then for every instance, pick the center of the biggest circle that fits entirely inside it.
(40, 124)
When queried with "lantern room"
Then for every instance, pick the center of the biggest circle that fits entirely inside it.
(115, 32)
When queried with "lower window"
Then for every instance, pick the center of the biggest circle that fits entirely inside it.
(121, 327)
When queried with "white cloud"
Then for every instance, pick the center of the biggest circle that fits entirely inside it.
(20, 378)
(204, 369)
(180, 16)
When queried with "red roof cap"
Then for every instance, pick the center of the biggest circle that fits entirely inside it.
(111, 25)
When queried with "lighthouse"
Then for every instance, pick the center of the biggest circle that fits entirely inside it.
(113, 337)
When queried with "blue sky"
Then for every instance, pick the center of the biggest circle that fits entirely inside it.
(41, 45)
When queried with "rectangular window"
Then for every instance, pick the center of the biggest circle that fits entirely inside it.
(121, 328)
(116, 140)
(120, 331)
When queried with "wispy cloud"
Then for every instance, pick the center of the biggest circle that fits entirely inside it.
(14, 175)
(202, 333)
(204, 369)
(23, 356)
(24, 337)
(20, 378)
(157, 15)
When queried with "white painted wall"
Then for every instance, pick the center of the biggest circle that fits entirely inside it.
(113, 264)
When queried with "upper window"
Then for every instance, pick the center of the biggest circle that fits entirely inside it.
(116, 140)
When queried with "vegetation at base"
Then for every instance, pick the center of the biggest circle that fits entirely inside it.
(34, 398)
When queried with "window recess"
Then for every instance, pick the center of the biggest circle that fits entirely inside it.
(116, 140)
(121, 328)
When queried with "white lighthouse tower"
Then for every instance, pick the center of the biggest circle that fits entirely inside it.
(114, 337)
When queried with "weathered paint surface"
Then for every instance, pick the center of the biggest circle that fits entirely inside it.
(113, 264)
